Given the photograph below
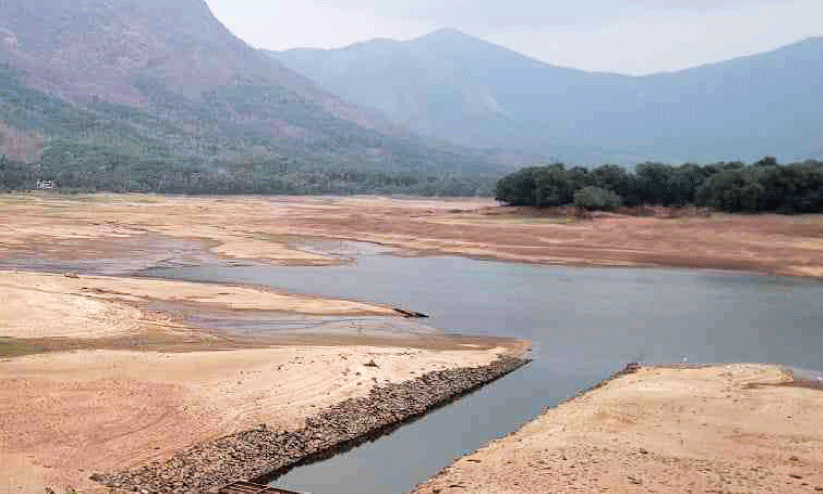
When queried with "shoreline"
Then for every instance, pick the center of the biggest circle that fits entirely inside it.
(396, 249)
(260, 454)
(108, 362)
(675, 428)
(119, 409)
(173, 230)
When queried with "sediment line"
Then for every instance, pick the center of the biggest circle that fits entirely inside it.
(260, 453)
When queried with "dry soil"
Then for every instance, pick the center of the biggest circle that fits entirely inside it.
(736, 428)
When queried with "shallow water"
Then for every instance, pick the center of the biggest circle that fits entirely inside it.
(585, 323)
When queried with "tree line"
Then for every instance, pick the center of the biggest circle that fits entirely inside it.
(762, 186)
(728, 186)
(101, 169)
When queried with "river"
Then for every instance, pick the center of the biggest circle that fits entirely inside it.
(585, 323)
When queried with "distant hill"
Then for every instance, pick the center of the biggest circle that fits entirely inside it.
(457, 87)
(162, 91)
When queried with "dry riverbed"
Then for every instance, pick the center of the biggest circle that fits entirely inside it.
(112, 234)
(64, 416)
(101, 371)
(95, 378)
(41, 305)
(734, 428)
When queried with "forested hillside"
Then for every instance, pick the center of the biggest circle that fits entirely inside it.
(158, 95)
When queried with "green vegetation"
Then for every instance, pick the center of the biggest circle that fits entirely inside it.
(762, 186)
(596, 198)
(258, 139)
(240, 139)
(12, 347)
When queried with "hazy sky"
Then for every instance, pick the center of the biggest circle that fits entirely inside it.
(628, 36)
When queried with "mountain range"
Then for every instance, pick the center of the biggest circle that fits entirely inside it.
(138, 83)
(159, 95)
(458, 87)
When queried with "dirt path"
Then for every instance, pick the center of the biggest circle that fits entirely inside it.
(736, 428)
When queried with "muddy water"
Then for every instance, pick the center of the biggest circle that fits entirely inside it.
(585, 324)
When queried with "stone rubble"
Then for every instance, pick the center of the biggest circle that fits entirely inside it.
(256, 454)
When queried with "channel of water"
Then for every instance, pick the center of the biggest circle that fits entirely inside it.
(585, 323)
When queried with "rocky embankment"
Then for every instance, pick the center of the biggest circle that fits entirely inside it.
(255, 454)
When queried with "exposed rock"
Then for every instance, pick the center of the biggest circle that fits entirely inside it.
(256, 454)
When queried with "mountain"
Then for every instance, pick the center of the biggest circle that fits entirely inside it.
(90, 87)
(458, 87)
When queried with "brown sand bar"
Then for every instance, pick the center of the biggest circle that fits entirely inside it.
(121, 228)
(64, 416)
(37, 305)
(67, 414)
(105, 406)
(733, 428)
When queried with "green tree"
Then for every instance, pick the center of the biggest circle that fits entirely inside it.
(553, 186)
(766, 161)
(732, 190)
(517, 189)
(653, 181)
(596, 198)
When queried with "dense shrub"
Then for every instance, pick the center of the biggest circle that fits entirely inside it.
(595, 198)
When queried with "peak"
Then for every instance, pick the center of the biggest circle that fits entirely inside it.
(448, 33)
(806, 48)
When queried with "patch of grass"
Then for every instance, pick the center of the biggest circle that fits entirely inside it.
(273, 237)
(815, 220)
(13, 347)
(554, 220)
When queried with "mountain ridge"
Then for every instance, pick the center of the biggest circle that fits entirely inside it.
(461, 35)
(479, 94)
(164, 88)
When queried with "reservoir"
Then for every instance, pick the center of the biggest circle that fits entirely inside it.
(585, 323)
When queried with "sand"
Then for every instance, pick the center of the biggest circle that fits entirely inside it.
(130, 231)
(84, 408)
(66, 415)
(735, 428)
(40, 305)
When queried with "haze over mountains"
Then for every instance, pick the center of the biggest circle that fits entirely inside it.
(159, 95)
(454, 86)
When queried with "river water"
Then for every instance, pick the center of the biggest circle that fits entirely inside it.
(585, 323)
